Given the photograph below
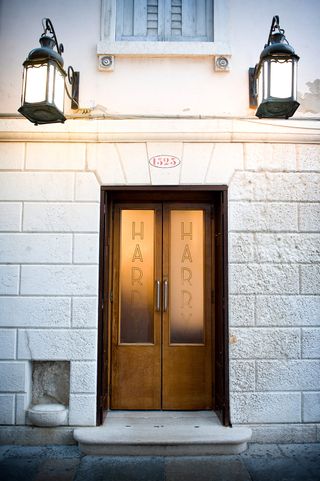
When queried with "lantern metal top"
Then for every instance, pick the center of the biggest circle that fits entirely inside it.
(45, 52)
(277, 43)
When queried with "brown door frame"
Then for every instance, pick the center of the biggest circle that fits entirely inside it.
(217, 196)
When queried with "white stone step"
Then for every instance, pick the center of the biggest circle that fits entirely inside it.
(162, 433)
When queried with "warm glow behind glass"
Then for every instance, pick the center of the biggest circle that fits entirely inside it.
(281, 79)
(136, 276)
(36, 83)
(186, 276)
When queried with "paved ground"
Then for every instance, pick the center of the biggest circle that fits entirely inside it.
(261, 462)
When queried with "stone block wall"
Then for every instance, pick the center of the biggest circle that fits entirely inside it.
(49, 222)
(275, 285)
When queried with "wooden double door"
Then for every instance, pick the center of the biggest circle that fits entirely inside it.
(161, 310)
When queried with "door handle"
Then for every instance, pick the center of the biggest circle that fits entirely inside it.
(157, 295)
(165, 296)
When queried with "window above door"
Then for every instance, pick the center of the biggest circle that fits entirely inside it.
(164, 28)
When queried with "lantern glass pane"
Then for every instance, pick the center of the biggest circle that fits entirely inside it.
(281, 79)
(59, 90)
(265, 80)
(51, 83)
(260, 86)
(294, 82)
(36, 83)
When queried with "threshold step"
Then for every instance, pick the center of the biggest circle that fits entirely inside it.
(162, 434)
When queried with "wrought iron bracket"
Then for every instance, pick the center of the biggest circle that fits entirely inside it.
(73, 76)
(253, 96)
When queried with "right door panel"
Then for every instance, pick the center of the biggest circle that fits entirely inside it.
(186, 324)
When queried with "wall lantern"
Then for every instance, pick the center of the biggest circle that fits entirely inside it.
(273, 81)
(44, 81)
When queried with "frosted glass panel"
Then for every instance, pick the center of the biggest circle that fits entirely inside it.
(136, 276)
(281, 79)
(36, 84)
(186, 297)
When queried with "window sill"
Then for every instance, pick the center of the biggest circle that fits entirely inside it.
(163, 49)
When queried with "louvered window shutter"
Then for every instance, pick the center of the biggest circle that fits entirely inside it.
(165, 20)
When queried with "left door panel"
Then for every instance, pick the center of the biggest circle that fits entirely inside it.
(136, 316)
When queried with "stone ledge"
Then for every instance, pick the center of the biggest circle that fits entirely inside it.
(104, 129)
(162, 434)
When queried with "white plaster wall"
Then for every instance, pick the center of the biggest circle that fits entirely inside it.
(175, 86)
(49, 267)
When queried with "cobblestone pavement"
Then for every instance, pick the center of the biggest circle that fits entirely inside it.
(261, 462)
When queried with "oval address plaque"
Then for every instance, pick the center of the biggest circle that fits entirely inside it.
(164, 161)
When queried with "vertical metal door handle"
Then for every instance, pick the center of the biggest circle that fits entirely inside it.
(165, 295)
(157, 295)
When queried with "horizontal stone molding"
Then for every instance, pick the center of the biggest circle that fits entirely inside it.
(129, 129)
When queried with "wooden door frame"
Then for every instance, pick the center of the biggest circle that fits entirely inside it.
(217, 196)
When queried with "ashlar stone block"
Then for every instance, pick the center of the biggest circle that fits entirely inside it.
(9, 280)
(86, 249)
(13, 376)
(264, 279)
(288, 310)
(242, 375)
(61, 217)
(57, 344)
(265, 343)
(290, 375)
(43, 186)
(7, 413)
(82, 410)
(55, 156)
(311, 342)
(276, 248)
(308, 157)
(275, 186)
(195, 161)
(10, 216)
(225, 160)
(59, 280)
(12, 155)
(83, 377)
(134, 160)
(241, 310)
(36, 248)
(104, 160)
(167, 176)
(263, 217)
(35, 311)
(260, 407)
(309, 217)
(8, 343)
(310, 279)
(85, 312)
(87, 187)
(311, 407)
